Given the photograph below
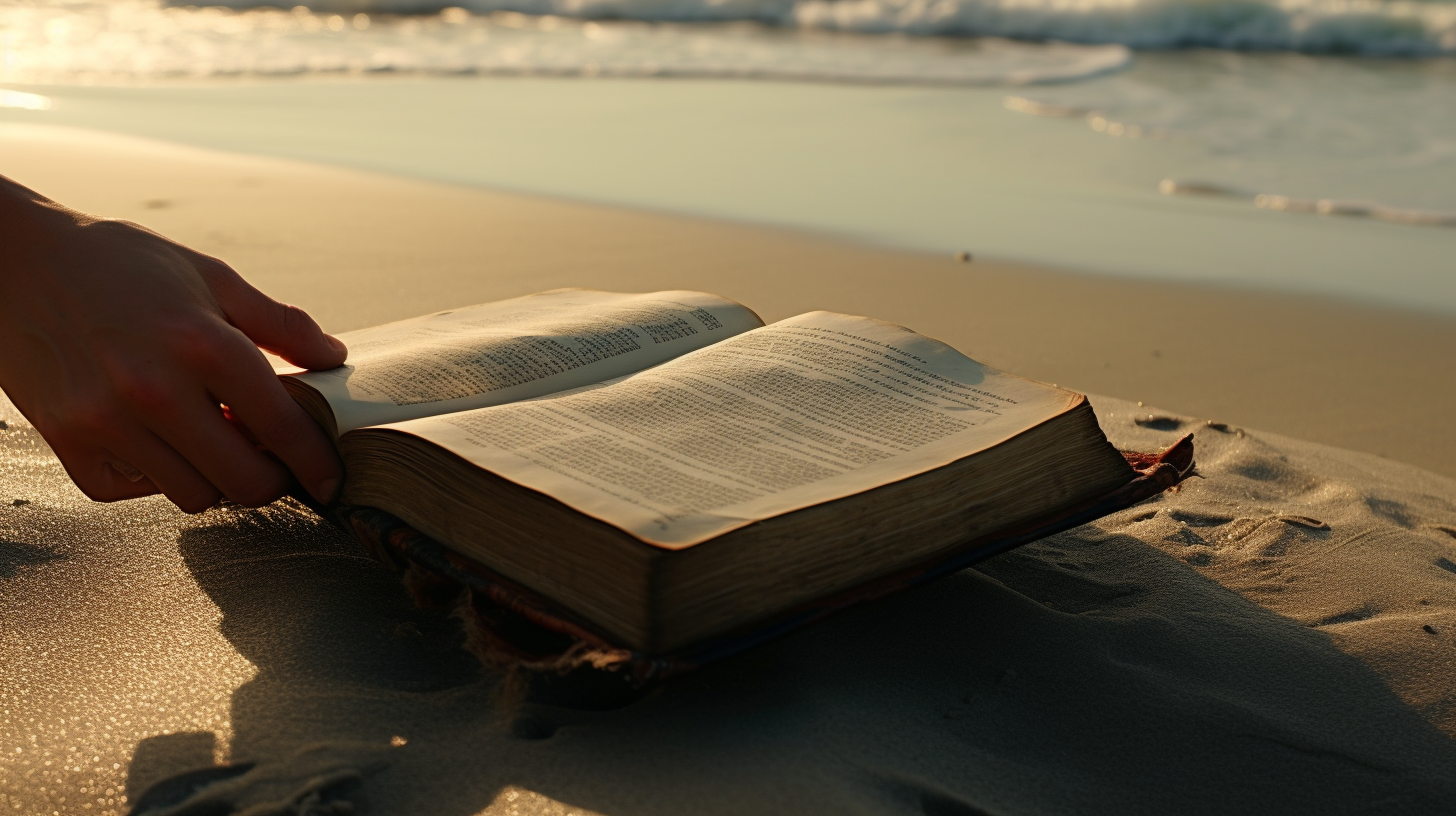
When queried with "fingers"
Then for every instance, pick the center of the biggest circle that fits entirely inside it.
(251, 390)
(167, 471)
(100, 472)
(196, 430)
(167, 426)
(285, 330)
(255, 398)
(101, 480)
(194, 456)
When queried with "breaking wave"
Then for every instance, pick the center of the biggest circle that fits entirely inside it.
(1373, 27)
(144, 39)
(971, 42)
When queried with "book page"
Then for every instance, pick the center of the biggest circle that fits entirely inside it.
(516, 349)
(811, 409)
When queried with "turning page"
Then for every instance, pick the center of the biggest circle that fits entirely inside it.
(516, 349)
(808, 410)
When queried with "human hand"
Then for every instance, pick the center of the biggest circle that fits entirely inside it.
(121, 346)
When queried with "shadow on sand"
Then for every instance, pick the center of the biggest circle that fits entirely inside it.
(1088, 673)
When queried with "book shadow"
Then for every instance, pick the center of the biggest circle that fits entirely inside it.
(1087, 668)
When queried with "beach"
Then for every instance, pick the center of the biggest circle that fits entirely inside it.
(1276, 636)
(358, 250)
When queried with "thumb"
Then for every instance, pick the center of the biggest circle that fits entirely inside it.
(284, 330)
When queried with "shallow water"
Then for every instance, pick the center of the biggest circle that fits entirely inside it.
(936, 169)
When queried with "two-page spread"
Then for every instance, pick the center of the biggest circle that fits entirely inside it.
(678, 416)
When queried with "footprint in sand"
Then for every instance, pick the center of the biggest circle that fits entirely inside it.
(1158, 423)
(1271, 536)
(1364, 613)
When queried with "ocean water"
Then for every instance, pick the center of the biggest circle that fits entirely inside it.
(1295, 144)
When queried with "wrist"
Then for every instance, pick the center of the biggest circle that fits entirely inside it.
(28, 222)
(16, 198)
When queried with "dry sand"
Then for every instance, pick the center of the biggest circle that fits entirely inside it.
(1276, 637)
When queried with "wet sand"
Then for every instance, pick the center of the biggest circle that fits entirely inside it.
(1275, 637)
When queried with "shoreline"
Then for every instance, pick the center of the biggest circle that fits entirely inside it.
(927, 169)
(357, 248)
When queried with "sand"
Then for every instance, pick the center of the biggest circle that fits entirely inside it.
(1277, 636)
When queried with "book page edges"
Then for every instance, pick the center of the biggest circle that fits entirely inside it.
(1074, 400)
(313, 403)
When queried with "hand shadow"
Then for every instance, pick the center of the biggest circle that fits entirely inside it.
(1089, 668)
(342, 657)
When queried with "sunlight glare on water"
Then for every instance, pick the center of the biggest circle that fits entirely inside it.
(23, 101)
(138, 40)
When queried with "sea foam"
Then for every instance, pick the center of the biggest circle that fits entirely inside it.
(969, 42)
(144, 39)
(1374, 27)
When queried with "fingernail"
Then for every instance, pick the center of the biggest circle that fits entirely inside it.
(336, 343)
(328, 490)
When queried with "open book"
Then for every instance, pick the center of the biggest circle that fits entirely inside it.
(668, 468)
